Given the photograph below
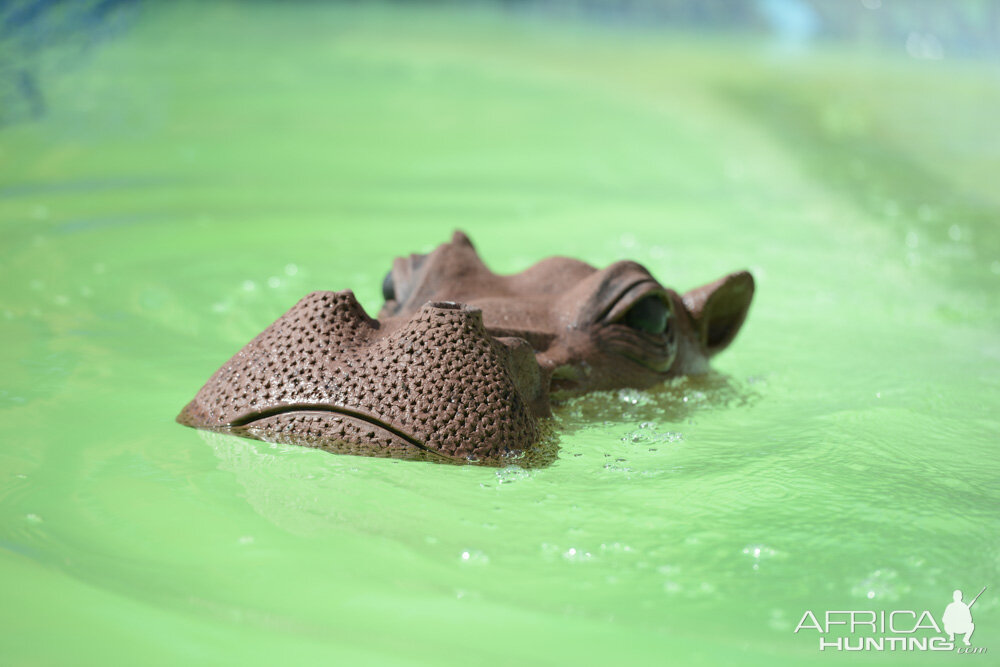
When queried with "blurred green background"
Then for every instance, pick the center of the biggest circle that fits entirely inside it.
(174, 176)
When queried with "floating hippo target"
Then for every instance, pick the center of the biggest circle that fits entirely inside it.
(461, 364)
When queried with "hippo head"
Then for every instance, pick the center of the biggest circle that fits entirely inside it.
(590, 329)
(461, 363)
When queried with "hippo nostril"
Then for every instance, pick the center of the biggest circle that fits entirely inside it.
(445, 305)
(388, 287)
(450, 313)
(461, 310)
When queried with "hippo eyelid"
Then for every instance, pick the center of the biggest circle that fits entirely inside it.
(630, 296)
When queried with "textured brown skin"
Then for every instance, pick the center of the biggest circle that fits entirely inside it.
(461, 363)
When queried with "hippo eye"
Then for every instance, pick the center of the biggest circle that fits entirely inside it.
(388, 287)
(649, 314)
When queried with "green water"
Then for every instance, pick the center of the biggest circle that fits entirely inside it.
(199, 172)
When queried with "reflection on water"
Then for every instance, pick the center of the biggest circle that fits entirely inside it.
(676, 400)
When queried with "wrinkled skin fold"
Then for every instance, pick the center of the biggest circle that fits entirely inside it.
(461, 364)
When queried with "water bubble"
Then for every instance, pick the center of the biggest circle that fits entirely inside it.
(882, 584)
(474, 557)
(758, 553)
(671, 586)
(550, 550)
(249, 285)
(955, 233)
(618, 466)
(912, 240)
(512, 473)
(617, 547)
(33, 518)
(627, 241)
(634, 397)
(274, 282)
(245, 540)
(291, 269)
(695, 397)
(577, 555)
(647, 434)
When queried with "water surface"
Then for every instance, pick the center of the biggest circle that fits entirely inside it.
(198, 172)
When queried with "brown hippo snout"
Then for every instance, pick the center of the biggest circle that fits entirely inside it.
(431, 386)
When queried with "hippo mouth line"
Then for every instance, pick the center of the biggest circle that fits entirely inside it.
(259, 415)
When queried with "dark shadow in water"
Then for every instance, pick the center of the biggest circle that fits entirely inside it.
(39, 35)
(675, 401)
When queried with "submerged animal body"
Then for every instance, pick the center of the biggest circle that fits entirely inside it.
(461, 363)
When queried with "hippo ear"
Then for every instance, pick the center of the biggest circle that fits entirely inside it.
(459, 237)
(718, 310)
